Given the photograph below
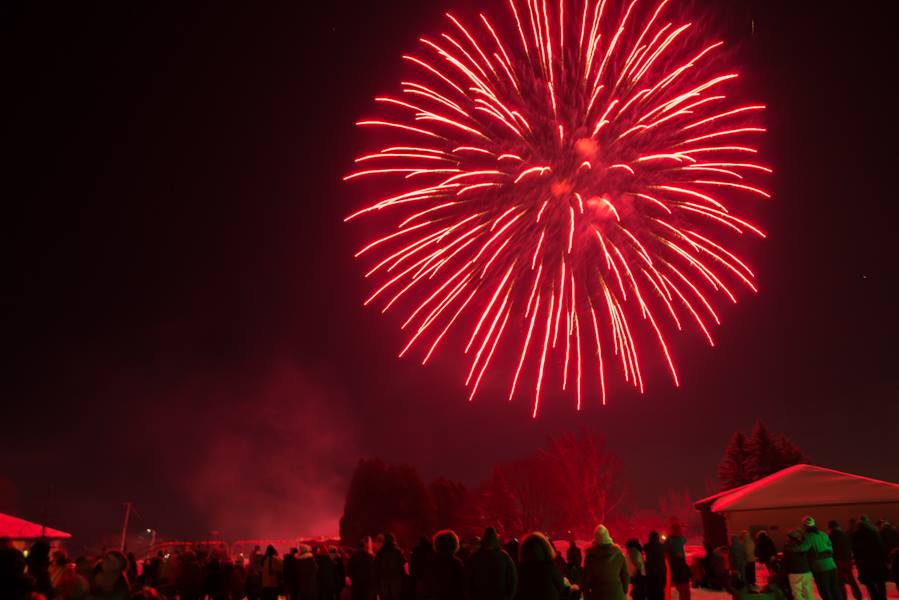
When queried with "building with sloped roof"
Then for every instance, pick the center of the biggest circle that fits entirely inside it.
(777, 503)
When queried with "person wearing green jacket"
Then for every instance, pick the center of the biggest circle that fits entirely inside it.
(605, 569)
(824, 568)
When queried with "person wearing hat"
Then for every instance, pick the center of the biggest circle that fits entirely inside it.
(824, 568)
(605, 569)
(796, 566)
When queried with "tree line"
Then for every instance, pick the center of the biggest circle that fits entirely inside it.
(566, 487)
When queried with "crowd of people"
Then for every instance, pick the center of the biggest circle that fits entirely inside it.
(811, 558)
(442, 568)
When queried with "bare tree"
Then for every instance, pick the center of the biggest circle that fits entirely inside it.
(587, 477)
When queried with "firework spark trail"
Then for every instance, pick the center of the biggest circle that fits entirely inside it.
(577, 165)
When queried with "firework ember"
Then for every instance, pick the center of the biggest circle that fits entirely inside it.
(562, 178)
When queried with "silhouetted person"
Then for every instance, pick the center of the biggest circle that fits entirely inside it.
(737, 557)
(152, 568)
(636, 568)
(272, 570)
(237, 580)
(132, 567)
(842, 555)
(254, 574)
(538, 576)
(870, 558)
(749, 547)
(326, 576)
(216, 583)
(765, 549)
(14, 583)
(361, 571)
(339, 571)
(445, 579)
(38, 565)
(575, 563)
(389, 569)
(420, 562)
(307, 574)
(656, 569)
(605, 569)
(675, 549)
(291, 576)
(561, 565)
(490, 572)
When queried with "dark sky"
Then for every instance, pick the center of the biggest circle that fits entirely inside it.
(181, 318)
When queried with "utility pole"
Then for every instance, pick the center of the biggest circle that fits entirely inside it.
(125, 525)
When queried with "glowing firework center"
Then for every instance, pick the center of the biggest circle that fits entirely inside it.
(561, 179)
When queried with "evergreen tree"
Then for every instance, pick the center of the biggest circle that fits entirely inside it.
(732, 468)
(761, 454)
(790, 454)
(764, 456)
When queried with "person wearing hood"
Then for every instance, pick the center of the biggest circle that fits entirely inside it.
(870, 558)
(842, 555)
(389, 569)
(675, 549)
(538, 576)
(656, 568)
(360, 569)
(636, 569)
(490, 573)
(446, 576)
(605, 569)
(824, 568)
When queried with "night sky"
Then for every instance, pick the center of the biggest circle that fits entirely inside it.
(181, 313)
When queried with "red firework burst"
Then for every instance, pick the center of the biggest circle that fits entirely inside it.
(563, 182)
